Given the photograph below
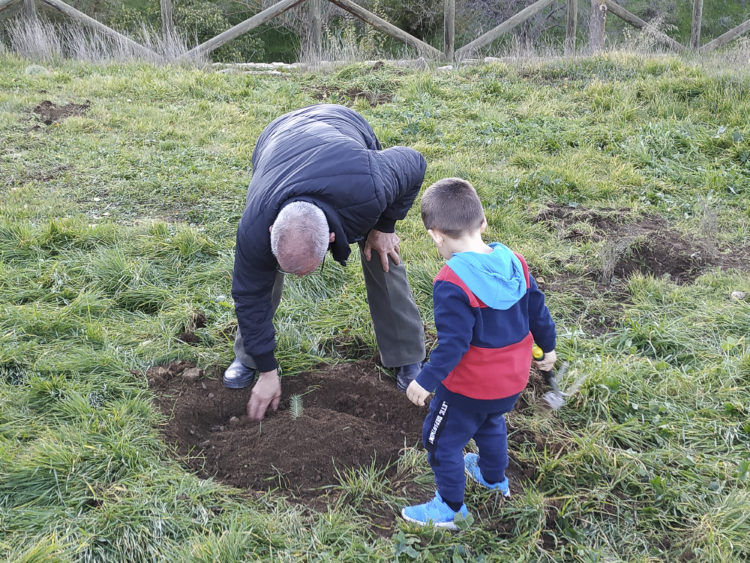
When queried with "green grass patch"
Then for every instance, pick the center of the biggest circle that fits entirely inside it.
(117, 228)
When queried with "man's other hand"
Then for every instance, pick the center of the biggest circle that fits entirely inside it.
(266, 391)
(417, 394)
(385, 244)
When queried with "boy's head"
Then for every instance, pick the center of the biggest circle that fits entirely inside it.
(452, 206)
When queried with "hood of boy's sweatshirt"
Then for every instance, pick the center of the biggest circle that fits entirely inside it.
(495, 278)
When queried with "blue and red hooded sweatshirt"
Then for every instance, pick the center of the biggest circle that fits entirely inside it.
(488, 312)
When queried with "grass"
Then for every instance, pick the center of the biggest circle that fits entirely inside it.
(117, 227)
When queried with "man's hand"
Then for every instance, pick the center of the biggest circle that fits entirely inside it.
(266, 391)
(417, 394)
(547, 362)
(385, 244)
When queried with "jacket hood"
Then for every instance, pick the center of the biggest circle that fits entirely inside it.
(496, 278)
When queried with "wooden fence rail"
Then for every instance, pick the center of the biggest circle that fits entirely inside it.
(597, 25)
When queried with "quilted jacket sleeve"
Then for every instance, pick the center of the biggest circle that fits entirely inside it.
(400, 171)
(252, 289)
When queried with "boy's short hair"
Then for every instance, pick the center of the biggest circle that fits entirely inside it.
(452, 206)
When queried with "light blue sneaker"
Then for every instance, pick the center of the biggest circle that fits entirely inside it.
(471, 465)
(434, 513)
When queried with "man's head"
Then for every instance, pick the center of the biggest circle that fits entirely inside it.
(452, 207)
(300, 237)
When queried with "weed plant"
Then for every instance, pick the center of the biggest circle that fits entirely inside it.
(117, 227)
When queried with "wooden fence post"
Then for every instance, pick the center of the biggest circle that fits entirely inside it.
(597, 24)
(570, 31)
(29, 11)
(449, 28)
(315, 39)
(695, 30)
(167, 21)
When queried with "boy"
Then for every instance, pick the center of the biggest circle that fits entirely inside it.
(488, 311)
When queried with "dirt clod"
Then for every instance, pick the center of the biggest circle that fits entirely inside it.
(192, 374)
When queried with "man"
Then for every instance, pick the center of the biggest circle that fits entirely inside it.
(321, 182)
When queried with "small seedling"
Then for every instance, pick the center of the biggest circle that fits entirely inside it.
(295, 406)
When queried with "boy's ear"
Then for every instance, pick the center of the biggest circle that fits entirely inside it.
(484, 225)
(437, 236)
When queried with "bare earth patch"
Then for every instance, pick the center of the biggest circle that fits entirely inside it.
(352, 416)
(349, 416)
(49, 112)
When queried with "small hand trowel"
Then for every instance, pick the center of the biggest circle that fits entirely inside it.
(553, 398)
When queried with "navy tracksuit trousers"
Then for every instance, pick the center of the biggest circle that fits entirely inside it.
(449, 427)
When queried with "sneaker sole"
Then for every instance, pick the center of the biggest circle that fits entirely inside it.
(447, 525)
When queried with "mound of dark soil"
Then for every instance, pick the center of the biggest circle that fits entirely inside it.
(647, 245)
(349, 417)
(661, 253)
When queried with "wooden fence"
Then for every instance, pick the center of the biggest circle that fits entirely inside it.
(597, 26)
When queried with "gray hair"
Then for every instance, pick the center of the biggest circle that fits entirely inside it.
(300, 231)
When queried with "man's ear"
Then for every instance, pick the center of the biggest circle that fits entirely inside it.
(484, 225)
(331, 237)
(437, 236)
(270, 228)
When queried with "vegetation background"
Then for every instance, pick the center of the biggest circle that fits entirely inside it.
(282, 38)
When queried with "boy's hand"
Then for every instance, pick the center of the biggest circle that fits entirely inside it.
(417, 394)
(547, 362)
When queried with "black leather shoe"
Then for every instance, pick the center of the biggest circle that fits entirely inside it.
(407, 374)
(238, 375)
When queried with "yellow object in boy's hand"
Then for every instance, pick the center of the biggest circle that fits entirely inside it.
(417, 394)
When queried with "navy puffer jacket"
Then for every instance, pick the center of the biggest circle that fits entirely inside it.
(327, 155)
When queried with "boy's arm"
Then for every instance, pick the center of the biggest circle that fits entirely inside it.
(541, 325)
(454, 321)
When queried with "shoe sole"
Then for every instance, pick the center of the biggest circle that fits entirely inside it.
(446, 525)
